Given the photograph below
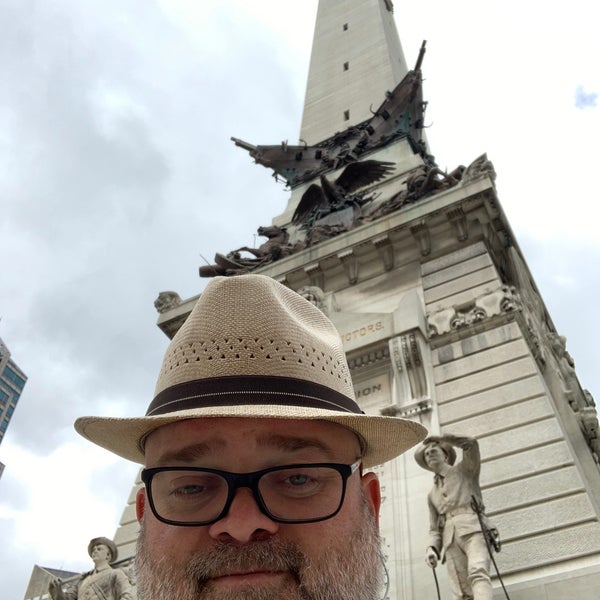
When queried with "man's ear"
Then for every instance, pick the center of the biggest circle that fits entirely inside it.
(372, 492)
(140, 504)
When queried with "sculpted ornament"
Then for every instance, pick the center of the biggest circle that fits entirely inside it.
(330, 207)
(320, 200)
(504, 299)
(234, 263)
(166, 301)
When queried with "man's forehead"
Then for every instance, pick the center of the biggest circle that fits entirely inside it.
(192, 439)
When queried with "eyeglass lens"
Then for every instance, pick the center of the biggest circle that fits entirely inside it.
(295, 493)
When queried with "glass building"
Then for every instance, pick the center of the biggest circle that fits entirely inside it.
(12, 382)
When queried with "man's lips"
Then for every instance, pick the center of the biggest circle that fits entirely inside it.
(256, 577)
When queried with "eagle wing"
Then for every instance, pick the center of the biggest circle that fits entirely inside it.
(312, 198)
(359, 174)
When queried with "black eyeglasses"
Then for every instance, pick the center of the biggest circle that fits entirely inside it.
(193, 496)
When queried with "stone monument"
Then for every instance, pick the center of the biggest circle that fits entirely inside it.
(441, 318)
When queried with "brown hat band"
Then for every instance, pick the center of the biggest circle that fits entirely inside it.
(250, 389)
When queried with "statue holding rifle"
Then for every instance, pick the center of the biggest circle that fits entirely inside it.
(102, 582)
(458, 525)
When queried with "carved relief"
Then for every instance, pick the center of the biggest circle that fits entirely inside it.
(480, 167)
(505, 299)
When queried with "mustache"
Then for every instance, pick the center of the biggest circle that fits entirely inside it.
(227, 558)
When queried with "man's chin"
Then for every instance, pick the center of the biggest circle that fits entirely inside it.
(268, 583)
(215, 590)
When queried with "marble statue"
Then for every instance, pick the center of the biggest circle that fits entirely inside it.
(456, 531)
(103, 582)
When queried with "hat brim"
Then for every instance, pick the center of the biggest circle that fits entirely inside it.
(384, 438)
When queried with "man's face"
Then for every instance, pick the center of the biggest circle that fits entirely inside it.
(101, 553)
(246, 555)
(434, 456)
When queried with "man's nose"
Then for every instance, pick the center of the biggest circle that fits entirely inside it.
(244, 522)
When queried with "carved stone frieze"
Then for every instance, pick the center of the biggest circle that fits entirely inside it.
(504, 299)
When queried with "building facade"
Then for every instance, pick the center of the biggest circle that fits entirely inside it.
(12, 382)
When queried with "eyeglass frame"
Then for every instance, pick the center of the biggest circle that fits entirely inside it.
(251, 481)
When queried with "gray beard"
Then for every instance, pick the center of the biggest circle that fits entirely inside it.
(349, 570)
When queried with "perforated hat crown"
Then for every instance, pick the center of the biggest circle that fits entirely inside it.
(253, 348)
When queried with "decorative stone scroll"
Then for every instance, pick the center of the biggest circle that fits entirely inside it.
(505, 299)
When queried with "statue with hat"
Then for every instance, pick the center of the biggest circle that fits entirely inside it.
(103, 582)
(256, 454)
(457, 523)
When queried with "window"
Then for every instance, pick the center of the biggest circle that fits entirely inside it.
(346, 66)
(4, 425)
(345, 27)
(346, 115)
(12, 376)
(3, 396)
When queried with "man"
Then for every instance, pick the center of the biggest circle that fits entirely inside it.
(102, 583)
(455, 531)
(254, 449)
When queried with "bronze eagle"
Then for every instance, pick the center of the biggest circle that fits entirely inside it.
(319, 200)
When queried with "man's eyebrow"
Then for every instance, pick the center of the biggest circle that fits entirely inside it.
(191, 453)
(289, 443)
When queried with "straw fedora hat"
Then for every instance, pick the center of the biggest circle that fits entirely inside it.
(445, 446)
(253, 348)
(106, 542)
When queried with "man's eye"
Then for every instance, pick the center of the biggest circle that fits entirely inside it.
(193, 487)
(298, 479)
(188, 490)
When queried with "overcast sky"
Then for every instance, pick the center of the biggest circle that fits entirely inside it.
(117, 175)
